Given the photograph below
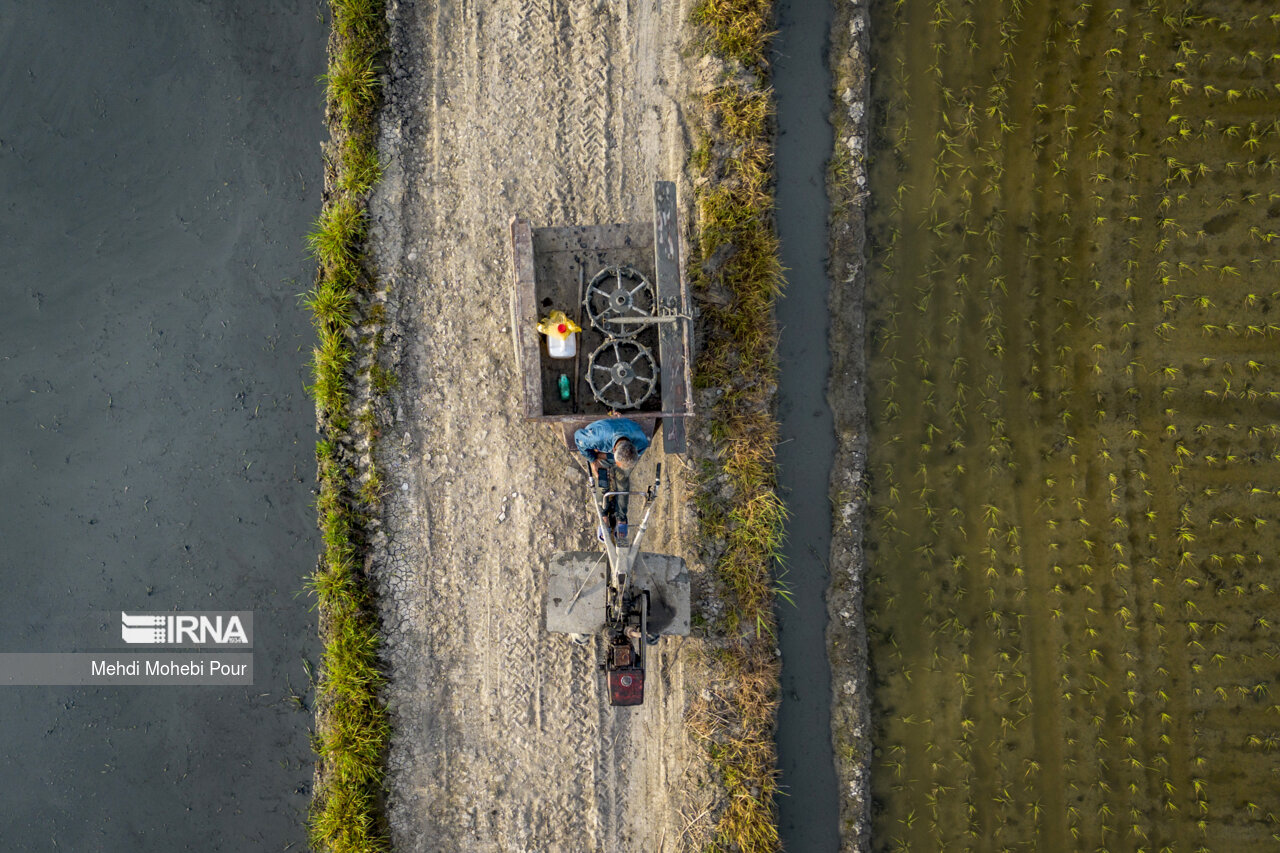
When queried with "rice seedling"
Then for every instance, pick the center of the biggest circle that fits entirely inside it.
(337, 239)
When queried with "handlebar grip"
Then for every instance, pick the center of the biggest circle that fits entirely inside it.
(657, 472)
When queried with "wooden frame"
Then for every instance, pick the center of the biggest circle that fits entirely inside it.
(550, 267)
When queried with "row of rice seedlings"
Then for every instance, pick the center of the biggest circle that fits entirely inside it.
(1135, 559)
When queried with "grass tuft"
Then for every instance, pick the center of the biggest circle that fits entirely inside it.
(737, 29)
(359, 168)
(352, 86)
(329, 360)
(331, 305)
(358, 22)
(337, 238)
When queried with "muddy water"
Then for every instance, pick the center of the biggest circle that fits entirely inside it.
(808, 812)
(158, 170)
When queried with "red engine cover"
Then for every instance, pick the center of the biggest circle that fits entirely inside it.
(626, 687)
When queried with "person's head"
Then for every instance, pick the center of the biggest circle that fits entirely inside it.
(624, 453)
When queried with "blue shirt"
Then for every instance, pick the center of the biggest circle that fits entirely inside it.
(603, 434)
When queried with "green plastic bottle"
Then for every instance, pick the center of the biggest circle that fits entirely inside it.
(564, 387)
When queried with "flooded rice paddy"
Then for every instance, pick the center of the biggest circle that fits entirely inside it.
(1073, 283)
(159, 170)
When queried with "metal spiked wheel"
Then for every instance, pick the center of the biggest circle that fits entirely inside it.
(622, 373)
(619, 292)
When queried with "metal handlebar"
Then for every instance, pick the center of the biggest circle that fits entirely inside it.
(657, 481)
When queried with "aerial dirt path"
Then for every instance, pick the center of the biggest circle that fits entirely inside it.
(562, 112)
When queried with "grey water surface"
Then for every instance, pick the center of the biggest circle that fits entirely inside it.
(159, 168)
(808, 809)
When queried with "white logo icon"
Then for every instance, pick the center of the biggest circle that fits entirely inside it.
(142, 629)
(181, 629)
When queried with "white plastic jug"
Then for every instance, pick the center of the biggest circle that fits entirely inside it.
(562, 335)
(562, 346)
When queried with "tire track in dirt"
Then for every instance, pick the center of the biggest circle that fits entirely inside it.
(584, 37)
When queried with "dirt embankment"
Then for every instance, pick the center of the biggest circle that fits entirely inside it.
(563, 113)
(846, 631)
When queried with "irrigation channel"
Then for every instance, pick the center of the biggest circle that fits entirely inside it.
(159, 169)
(808, 810)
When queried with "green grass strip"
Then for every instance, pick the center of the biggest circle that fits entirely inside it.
(352, 730)
(736, 226)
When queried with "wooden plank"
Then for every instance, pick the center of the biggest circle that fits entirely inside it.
(524, 318)
(645, 419)
(583, 239)
(672, 352)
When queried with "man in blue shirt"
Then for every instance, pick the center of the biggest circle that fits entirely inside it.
(614, 444)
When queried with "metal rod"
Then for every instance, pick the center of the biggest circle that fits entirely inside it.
(577, 353)
(585, 581)
(661, 318)
(585, 417)
(609, 547)
(644, 523)
(644, 627)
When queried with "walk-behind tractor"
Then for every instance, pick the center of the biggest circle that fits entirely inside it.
(632, 596)
(616, 293)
